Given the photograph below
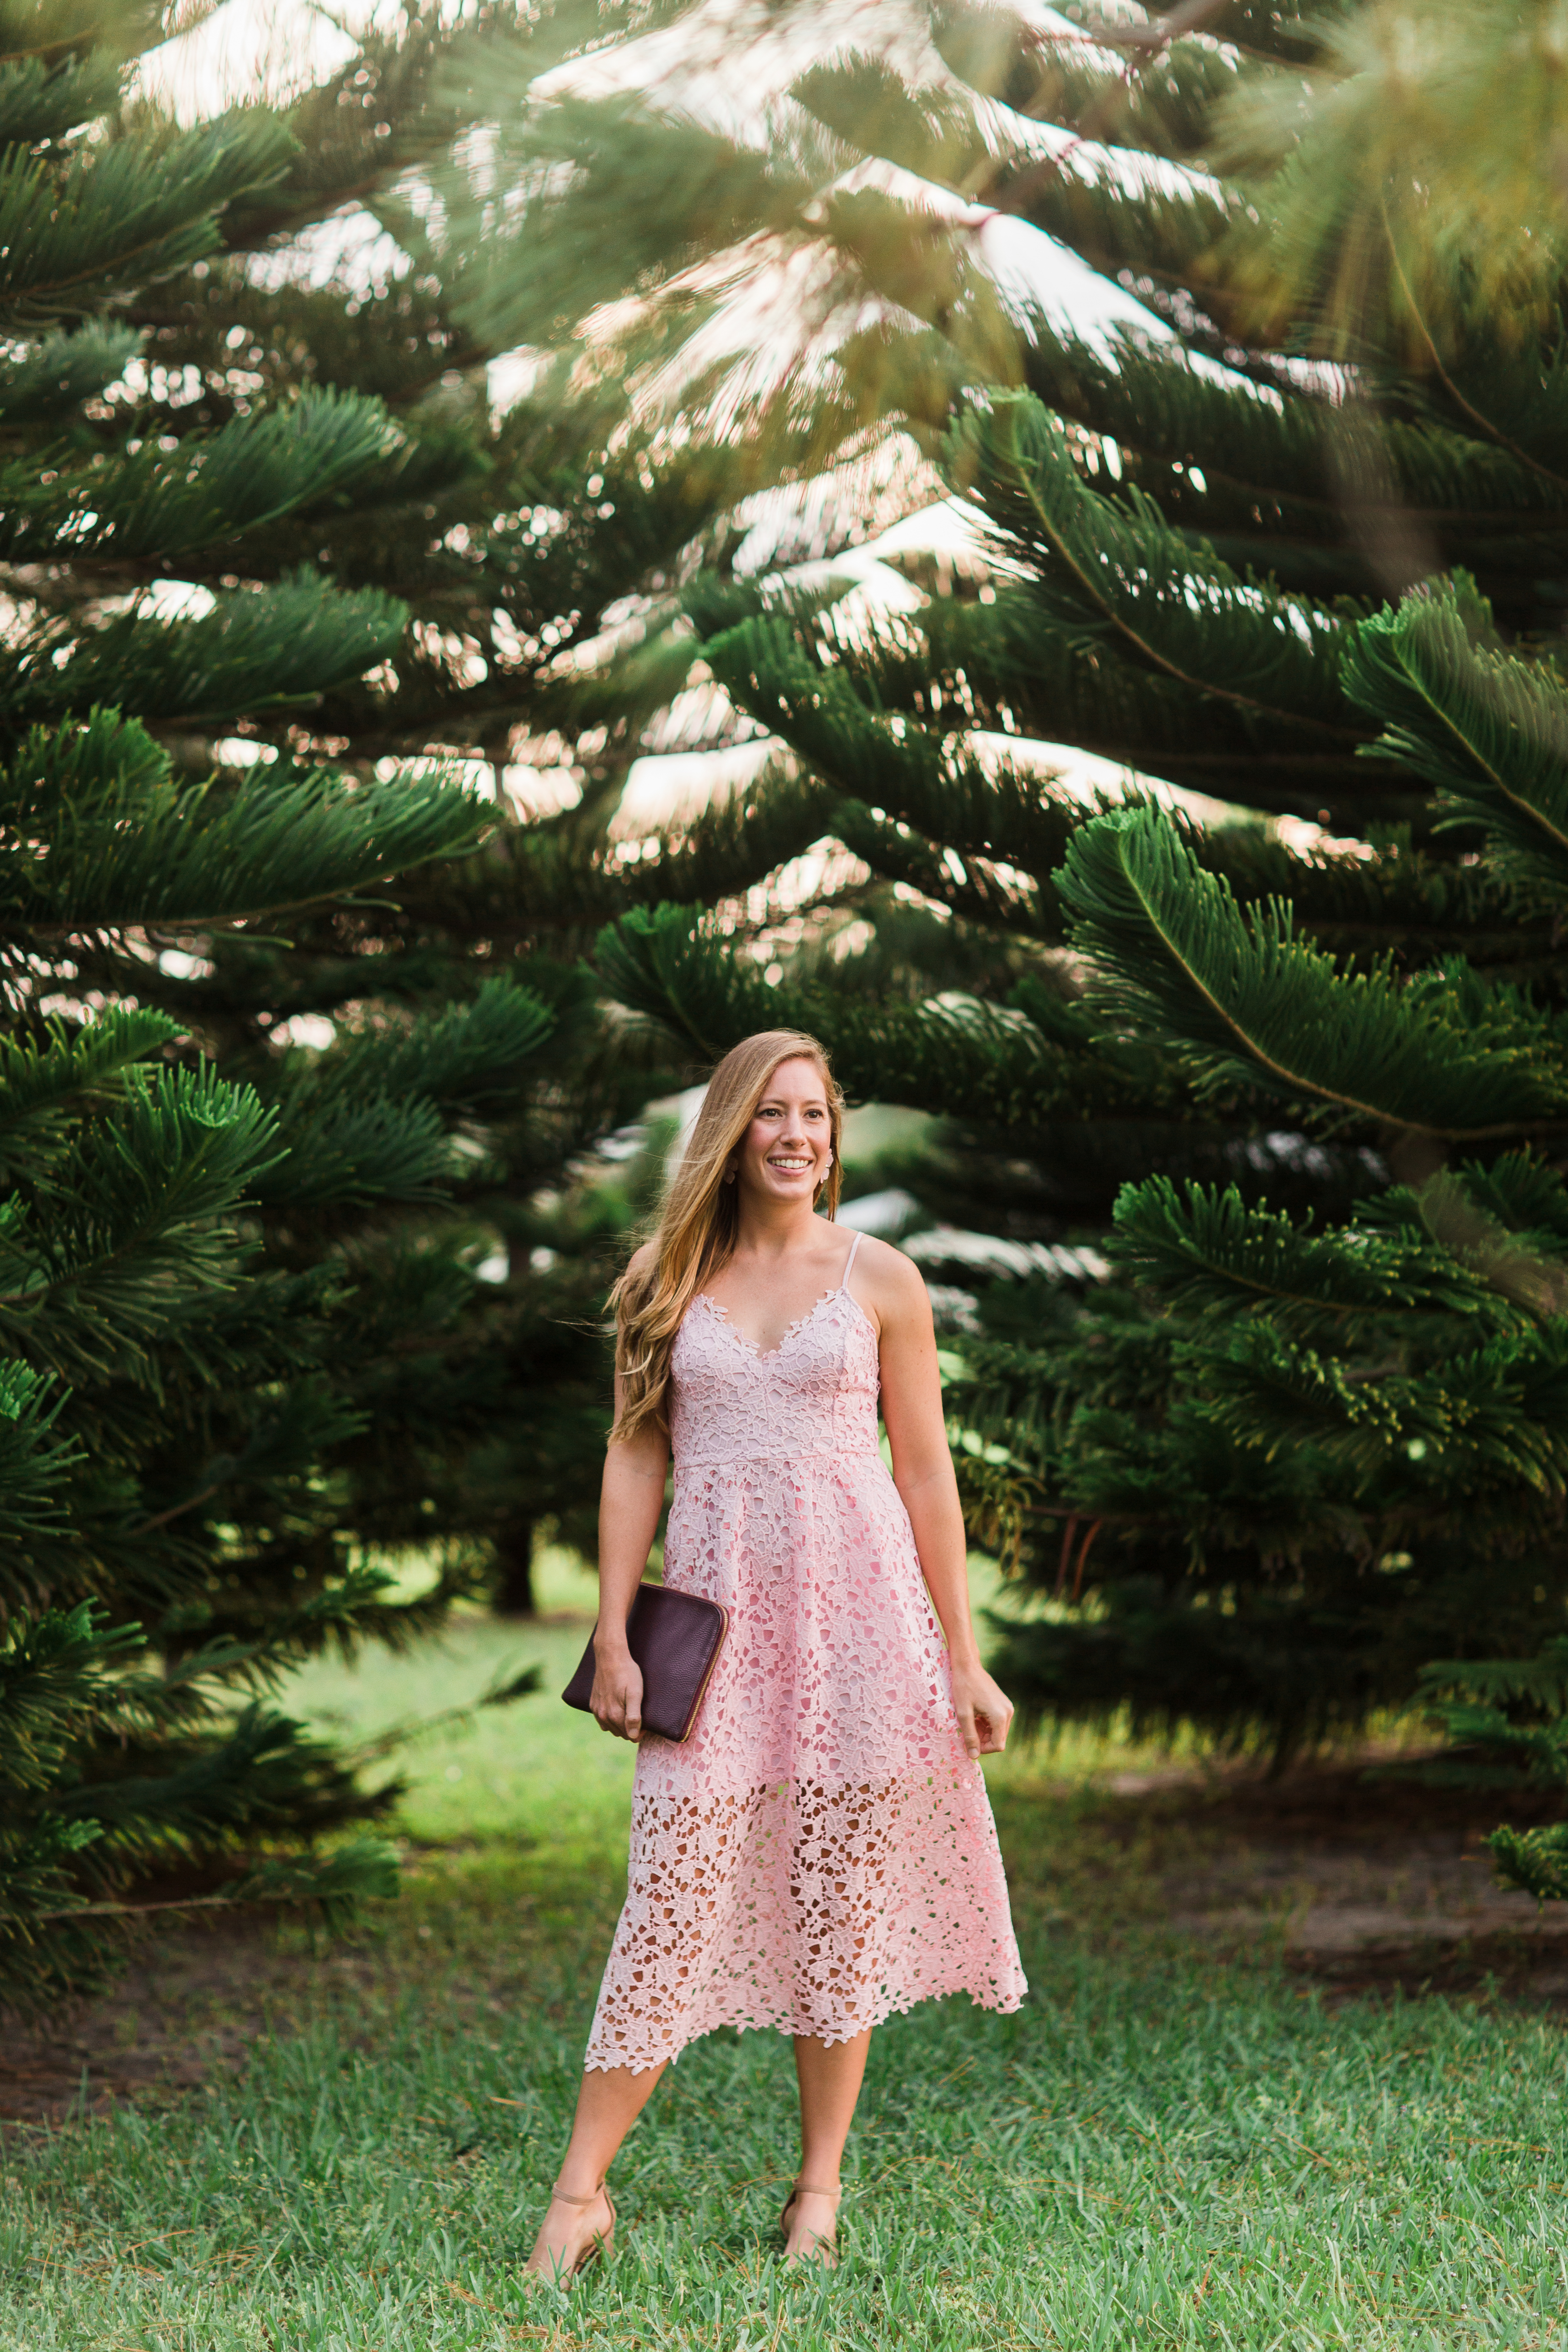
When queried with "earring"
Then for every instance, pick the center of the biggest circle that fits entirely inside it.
(729, 1175)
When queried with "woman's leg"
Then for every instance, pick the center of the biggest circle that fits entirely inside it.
(609, 2103)
(830, 2075)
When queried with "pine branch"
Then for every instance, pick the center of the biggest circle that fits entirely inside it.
(1102, 573)
(127, 507)
(202, 854)
(55, 1672)
(44, 96)
(47, 1076)
(1212, 1258)
(1540, 1683)
(827, 711)
(967, 1059)
(1242, 1002)
(1532, 1862)
(122, 212)
(356, 1150)
(458, 1059)
(1486, 728)
(1008, 667)
(1486, 1421)
(262, 651)
(45, 384)
(504, 1691)
(134, 1230)
(594, 173)
(1018, 64)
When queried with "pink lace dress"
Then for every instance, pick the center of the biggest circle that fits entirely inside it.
(820, 1852)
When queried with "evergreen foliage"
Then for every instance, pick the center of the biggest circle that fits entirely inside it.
(184, 1369)
(1415, 190)
(1506, 1721)
(535, 546)
(1305, 1083)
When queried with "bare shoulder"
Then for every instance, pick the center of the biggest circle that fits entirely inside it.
(889, 1282)
(638, 1276)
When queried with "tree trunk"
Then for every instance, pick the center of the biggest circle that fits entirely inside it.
(514, 1567)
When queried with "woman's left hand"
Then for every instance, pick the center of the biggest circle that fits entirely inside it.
(984, 1711)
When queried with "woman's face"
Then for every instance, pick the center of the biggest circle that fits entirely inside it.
(786, 1150)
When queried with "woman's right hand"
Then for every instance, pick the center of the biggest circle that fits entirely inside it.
(615, 1704)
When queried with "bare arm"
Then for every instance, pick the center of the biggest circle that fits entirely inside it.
(923, 1472)
(630, 1500)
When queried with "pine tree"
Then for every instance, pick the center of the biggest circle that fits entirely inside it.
(178, 1388)
(536, 548)
(1303, 1085)
(1416, 189)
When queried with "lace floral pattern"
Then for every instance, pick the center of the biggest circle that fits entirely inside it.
(820, 1852)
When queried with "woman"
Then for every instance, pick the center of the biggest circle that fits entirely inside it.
(820, 1851)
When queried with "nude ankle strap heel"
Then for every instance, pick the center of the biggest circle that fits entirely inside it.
(603, 2241)
(810, 2189)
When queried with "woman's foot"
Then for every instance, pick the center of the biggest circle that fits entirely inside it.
(575, 2233)
(810, 2224)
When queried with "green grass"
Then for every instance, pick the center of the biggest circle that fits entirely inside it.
(1154, 2152)
(536, 1770)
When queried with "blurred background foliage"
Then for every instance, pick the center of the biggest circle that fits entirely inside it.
(309, 1237)
(1286, 1052)
(1032, 545)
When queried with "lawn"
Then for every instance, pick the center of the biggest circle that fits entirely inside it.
(1158, 2150)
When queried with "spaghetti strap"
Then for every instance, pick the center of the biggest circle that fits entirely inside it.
(849, 1261)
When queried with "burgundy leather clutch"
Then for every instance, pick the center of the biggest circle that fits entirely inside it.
(676, 1638)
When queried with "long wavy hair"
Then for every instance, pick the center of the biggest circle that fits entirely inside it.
(696, 1231)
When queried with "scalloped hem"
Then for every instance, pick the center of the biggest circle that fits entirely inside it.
(804, 1908)
(1001, 2004)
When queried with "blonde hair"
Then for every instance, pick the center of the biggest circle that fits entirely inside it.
(697, 1227)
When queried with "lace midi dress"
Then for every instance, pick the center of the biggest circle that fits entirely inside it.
(820, 1850)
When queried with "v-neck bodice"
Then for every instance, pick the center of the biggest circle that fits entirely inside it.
(814, 1393)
